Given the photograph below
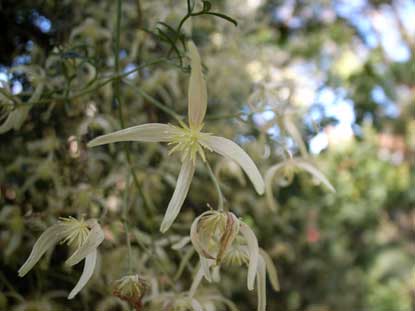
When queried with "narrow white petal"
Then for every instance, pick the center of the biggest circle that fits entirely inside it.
(8, 124)
(314, 171)
(205, 264)
(150, 132)
(196, 305)
(269, 177)
(197, 89)
(216, 274)
(94, 239)
(196, 281)
(271, 270)
(296, 135)
(231, 150)
(182, 188)
(182, 243)
(47, 240)
(194, 236)
(253, 250)
(89, 267)
(261, 285)
(230, 304)
(15, 119)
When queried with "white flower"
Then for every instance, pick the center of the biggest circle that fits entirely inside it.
(221, 238)
(212, 235)
(286, 169)
(188, 140)
(84, 236)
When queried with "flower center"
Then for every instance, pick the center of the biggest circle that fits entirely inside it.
(188, 143)
(236, 256)
(76, 231)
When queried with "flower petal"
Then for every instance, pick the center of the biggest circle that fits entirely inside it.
(181, 243)
(89, 267)
(261, 285)
(231, 150)
(269, 176)
(229, 235)
(94, 239)
(150, 132)
(196, 305)
(271, 270)
(253, 250)
(182, 188)
(15, 119)
(197, 89)
(307, 166)
(295, 134)
(196, 281)
(204, 263)
(47, 240)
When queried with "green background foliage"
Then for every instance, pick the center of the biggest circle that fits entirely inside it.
(349, 250)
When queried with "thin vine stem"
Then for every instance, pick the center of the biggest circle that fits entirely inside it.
(126, 209)
(116, 99)
(217, 186)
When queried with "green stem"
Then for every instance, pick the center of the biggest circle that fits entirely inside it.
(126, 228)
(217, 186)
(100, 84)
(116, 98)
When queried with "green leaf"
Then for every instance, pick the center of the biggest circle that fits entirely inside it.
(229, 19)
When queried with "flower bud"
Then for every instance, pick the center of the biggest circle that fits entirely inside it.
(131, 288)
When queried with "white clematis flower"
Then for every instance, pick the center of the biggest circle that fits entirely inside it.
(213, 234)
(286, 169)
(221, 238)
(84, 236)
(188, 140)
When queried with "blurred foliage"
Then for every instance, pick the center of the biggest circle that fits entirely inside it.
(349, 250)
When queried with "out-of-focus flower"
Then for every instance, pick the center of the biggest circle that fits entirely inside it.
(18, 115)
(275, 98)
(186, 303)
(91, 30)
(286, 170)
(188, 140)
(84, 236)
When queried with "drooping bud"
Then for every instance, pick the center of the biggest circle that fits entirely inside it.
(131, 288)
(213, 232)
